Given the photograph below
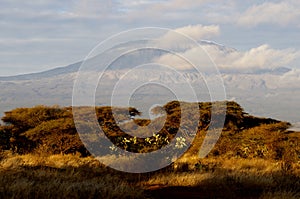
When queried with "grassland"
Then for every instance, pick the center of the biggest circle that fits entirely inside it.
(254, 158)
(71, 176)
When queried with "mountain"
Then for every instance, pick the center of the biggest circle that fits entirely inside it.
(45, 74)
(262, 92)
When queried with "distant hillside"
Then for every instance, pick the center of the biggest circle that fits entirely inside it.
(45, 74)
(258, 91)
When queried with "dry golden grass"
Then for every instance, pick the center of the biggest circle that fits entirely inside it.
(257, 170)
(232, 178)
(280, 195)
(61, 176)
(71, 176)
(254, 158)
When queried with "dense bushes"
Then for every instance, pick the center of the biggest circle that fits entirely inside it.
(52, 130)
(5, 136)
(49, 130)
(39, 128)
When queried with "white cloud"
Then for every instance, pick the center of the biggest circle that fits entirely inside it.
(159, 11)
(199, 32)
(183, 4)
(184, 61)
(180, 38)
(281, 13)
(91, 9)
(260, 58)
(74, 27)
(290, 79)
(160, 5)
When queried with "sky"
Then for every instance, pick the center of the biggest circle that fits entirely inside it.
(45, 34)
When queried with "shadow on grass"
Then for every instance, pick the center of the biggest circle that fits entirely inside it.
(66, 182)
(232, 184)
(101, 182)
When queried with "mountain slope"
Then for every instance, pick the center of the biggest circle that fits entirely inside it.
(45, 74)
(264, 92)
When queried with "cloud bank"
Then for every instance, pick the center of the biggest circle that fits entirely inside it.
(259, 58)
(281, 13)
(41, 35)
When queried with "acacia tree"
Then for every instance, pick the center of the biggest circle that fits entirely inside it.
(56, 136)
(5, 135)
(20, 120)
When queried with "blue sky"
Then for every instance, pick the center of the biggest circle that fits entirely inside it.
(45, 34)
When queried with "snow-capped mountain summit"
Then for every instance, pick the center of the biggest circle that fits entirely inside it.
(220, 47)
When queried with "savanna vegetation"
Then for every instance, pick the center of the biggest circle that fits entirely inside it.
(43, 156)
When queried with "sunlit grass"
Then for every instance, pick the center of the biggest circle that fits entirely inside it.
(254, 158)
(71, 176)
(61, 176)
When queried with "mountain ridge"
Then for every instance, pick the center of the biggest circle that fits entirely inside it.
(260, 93)
(44, 74)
